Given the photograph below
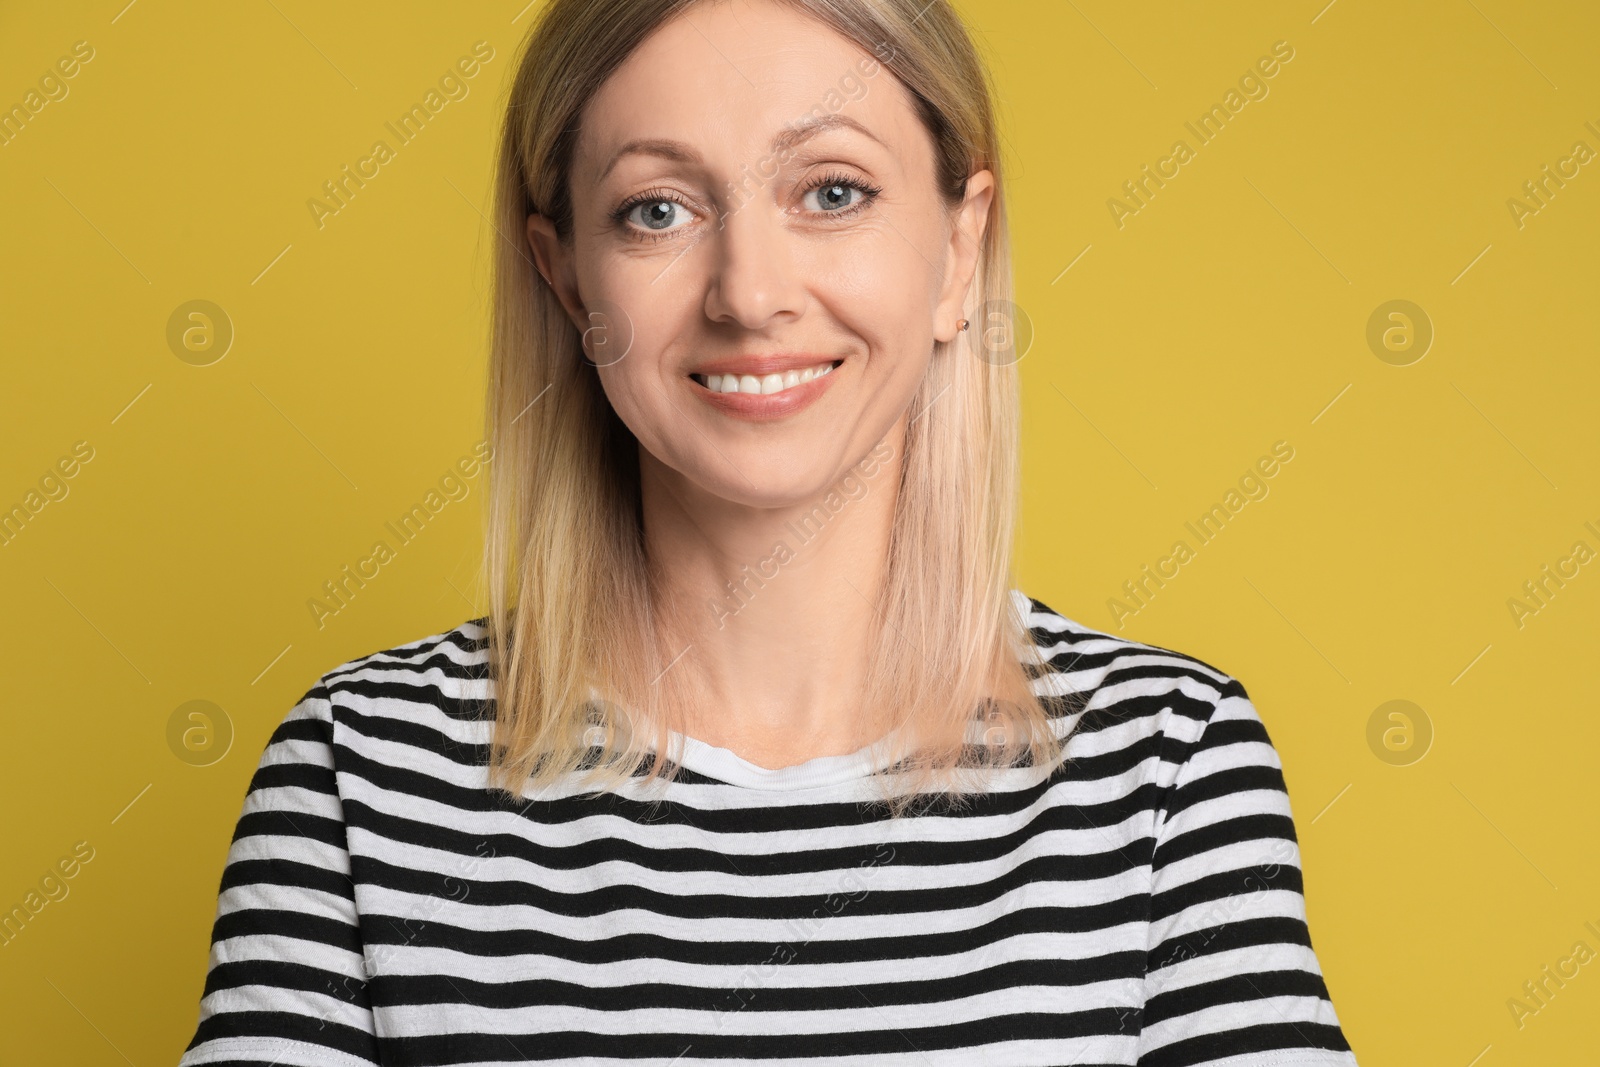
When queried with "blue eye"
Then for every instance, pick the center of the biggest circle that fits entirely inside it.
(657, 215)
(840, 194)
(837, 196)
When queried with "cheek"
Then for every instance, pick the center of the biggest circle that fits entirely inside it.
(885, 296)
(641, 386)
(634, 391)
(644, 320)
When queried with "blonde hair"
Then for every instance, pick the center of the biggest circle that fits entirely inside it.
(572, 630)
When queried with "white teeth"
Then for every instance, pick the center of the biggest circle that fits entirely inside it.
(770, 383)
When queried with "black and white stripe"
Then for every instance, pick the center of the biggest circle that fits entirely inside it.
(1142, 906)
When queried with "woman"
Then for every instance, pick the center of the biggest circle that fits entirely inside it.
(758, 757)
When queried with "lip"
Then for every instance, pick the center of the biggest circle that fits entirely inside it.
(766, 407)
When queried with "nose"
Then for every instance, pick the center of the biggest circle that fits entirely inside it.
(755, 279)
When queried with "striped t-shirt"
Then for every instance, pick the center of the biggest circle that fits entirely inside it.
(1142, 905)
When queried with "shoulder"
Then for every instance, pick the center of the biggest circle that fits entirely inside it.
(1130, 694)
(450, 662)
(431, 694)
(1097, 659)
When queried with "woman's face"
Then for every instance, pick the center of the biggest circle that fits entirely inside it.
(754, 199)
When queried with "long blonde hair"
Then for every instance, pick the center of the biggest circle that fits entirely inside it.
(577, 665)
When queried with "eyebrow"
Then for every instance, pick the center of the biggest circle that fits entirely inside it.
(792, 135)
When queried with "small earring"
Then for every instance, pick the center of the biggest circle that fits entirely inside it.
(962, 325)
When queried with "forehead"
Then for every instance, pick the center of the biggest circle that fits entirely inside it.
(727, 78)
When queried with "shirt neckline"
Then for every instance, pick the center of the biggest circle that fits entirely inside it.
(727, 766)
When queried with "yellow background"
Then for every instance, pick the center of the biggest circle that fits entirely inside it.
(1229, 313)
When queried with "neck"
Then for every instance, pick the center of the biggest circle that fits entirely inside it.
(773, 609)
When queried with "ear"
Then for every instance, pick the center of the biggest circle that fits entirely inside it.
(554, 262)
(961, 256)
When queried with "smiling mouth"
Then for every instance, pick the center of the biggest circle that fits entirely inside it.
(765, 384)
